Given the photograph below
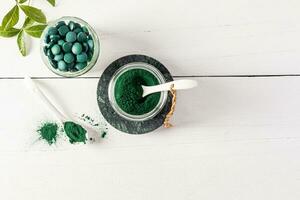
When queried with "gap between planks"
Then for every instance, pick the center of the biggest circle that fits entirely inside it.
(175, 76)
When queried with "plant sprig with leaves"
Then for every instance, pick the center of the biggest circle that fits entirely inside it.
(34, 23)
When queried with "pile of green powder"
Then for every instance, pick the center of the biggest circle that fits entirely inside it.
(49, 131)
(128, 92)
(75, 132)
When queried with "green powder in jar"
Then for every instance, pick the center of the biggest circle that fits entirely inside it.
(48, 131)
(128, 92)
(75, 132)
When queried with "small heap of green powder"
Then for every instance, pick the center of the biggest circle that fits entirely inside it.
(48, 132)
(75, 132)
(129, 91)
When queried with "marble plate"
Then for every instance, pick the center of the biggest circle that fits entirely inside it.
(120, 123)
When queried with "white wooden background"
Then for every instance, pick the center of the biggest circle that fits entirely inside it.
(237, 136)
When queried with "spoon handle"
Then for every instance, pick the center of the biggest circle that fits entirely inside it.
(53, 109)
(43, 98)
(178, 85)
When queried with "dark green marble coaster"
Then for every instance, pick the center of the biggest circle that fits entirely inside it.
(120, 123)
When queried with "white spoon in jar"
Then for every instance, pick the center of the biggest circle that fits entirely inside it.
(178, 85)
(91, 133)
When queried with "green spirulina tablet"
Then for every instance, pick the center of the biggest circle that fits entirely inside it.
(53, 63)
(62, 66)
(67, 46)
(50, 54)
(77, 48)
(69, 58)
(85, 29)
(85, 47)
(72, 25)
(59, 57)
(77, 30)
(60, 42)
(90, 55)
(91, 44)
(61, 23)
(50, 44)
(45, 50)
(47, 39)
(71, 36)
(52, 31)
(55, 49)
(81, 57)
(63, 30)
(70, 66)
(80, 66)
(82, 37)
(54, 38)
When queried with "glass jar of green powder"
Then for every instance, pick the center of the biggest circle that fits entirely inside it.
(69, 46)
(125, 91)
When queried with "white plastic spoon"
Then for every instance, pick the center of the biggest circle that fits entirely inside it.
(92, 134)
(178, 85)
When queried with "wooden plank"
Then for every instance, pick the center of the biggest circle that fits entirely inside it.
(218, 105)
(189, 37)
(234, 138)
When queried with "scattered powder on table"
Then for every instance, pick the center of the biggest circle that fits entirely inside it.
(103, 134)
(49, 132)
(75, 132)
(100, 125)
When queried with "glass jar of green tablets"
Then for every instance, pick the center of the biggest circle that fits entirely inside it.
(69, 46)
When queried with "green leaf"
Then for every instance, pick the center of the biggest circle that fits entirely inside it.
(34, 13)
(28, 22)
(21, 43)
(22, 1)
(35, 31)
(10, 32)
(52, 2)
(11, 18)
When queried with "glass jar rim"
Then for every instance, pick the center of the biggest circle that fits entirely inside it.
(90, 64)
(111, 91)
